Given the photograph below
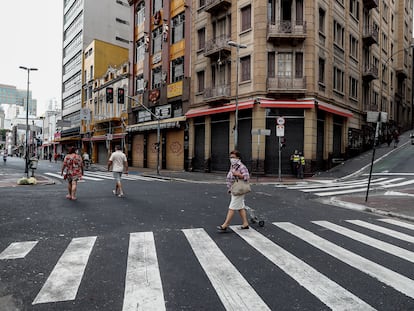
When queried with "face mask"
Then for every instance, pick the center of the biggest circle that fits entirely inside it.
(234, 161)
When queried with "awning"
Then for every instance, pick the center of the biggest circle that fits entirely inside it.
(203, 111)
(153, 125)
(334, 109)
(274, 103)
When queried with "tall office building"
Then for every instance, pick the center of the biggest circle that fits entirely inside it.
(83, 22)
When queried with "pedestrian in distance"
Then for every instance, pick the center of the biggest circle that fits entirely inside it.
(237, 171)
(73, 168)
(301, 166)
(50, 156)
(118, 163)
(396, 136)
(294, 162)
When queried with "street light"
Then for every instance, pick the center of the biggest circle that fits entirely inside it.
(28, 69)
(158, 130)
(236, 124)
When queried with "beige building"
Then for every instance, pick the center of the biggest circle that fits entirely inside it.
(316, 66)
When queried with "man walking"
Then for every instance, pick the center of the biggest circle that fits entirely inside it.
(118, 162)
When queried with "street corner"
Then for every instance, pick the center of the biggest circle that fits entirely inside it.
(14, 180)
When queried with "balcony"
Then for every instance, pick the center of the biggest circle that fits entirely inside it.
(213, 6)
(370, 73)
(370, 35)
(286, 85)
(401, 73)
(217, 45)
(217, 94)
(287, 31)
(370, 4)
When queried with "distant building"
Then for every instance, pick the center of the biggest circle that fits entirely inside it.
(83, 22)
(10, 95)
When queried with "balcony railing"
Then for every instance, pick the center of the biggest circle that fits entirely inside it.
(370, 73)
(217, 44)
(370, 35)
(287, 30)
(217, 93)
(216, 5)
(284, 84)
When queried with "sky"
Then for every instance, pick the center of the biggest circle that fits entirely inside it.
(31, 36)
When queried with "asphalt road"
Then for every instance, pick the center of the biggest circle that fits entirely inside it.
(157, 248)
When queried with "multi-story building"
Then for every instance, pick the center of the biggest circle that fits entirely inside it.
(159, 83)
(83, 22)
(16, 98)
(106, 76)
(313, 70)
(318, 66)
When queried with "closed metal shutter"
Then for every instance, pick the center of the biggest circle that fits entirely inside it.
(337, 136)
(175, 150)
(320, 142)
(245, 137)
(220, 142)
(102, 153)
(199, 142)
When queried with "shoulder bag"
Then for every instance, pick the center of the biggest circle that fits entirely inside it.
(240, 187)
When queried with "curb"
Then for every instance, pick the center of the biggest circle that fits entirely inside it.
(359, 207)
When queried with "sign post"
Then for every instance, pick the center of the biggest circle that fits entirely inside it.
(280, 132)
(259, 132)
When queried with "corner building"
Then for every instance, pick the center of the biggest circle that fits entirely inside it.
(321, 65)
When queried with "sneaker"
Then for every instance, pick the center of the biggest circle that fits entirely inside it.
(114, 192)
(120, 195)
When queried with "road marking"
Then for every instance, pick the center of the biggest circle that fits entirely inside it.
(383, 246)
(337, 184)
(63, 283)
(392, 233)
(17, 250)
(398, 193)
(365, 183)
(143, 286)
(83, 177)
(326, 290)
(385, 275)
(398, 223)
(232, 288)
(404, 183)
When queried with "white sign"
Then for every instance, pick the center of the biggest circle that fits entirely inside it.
(280, 120)
(85, 114)
(163, 112)
(280, 130)
(372, 116)
(265, 132)
(109, 136)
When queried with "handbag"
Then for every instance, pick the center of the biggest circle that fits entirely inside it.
(240, 187)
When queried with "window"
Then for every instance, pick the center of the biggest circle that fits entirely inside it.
(321, 20)
(139, 84)
(156, 40)
(298, 65)
(384, 42)
(178, 23)
(121, 21)
(91, 73)
(338, 80)
(353, 46)
(156, 77)
(140, 13)
(246, 22)
(201, 34)
(321, 78)
(245, 68)
(284, 65)
(177, 69)
(353, 88)
(354, 8)
(156, 6)
(201, 3)
(384, 11)
(338, 34)
(140, 50)
(271, 63)
(200, 81)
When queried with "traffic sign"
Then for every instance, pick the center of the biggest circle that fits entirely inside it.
(280, 130)
(280, 120)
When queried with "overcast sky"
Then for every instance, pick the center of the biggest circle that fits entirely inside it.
(31, 36)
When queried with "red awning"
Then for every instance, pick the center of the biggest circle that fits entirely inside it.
(196, 112)
(274, 103)
(334, 109)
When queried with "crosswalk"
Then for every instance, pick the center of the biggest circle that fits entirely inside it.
(101, 175)
(323, 188)
(337, 241)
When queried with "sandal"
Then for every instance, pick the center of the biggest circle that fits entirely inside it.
(221, 228)
(69, 197)
(244, 228)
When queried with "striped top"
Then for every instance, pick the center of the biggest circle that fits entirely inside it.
(239, 167)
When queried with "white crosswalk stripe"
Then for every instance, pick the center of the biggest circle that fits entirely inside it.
(100, 176)
(144, 288)
(334, 187)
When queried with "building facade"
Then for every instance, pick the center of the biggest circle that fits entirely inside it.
(159, 84)
(82, 25)
(227, 74)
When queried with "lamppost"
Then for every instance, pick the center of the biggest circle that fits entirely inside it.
(158, 130)
(236, 124)
(28, 69)
(379, 119)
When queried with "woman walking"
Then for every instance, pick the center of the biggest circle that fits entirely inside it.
(238, 171)
(73, 165)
